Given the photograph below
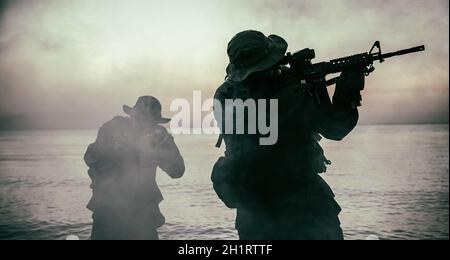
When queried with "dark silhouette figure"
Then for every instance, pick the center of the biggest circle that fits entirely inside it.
(276, 189)
(122, 165)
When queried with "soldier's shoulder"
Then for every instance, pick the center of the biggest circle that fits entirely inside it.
(228, 89)
(116, 122)
(222, 90)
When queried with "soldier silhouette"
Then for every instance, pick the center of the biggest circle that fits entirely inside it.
(276, 189)
(122, 166)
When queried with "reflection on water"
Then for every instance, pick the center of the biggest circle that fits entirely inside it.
(391, 181)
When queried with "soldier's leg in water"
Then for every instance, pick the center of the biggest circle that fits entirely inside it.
(107, 226)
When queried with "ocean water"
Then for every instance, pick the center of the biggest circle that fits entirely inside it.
(391, 181)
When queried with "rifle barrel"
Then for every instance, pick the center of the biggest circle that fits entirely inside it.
(401, 52)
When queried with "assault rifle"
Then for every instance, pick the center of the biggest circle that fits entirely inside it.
(298, 68)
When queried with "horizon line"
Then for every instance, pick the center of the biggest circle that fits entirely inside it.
(191, 128)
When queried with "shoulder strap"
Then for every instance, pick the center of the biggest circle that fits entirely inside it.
(219, 141)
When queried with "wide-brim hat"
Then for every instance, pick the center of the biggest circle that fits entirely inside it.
(252, 51)
(148, 108)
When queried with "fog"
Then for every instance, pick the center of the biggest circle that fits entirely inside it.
(72, 64)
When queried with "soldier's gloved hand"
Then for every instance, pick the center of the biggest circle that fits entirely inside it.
(159, 136)
(348, 87)
(151, 145)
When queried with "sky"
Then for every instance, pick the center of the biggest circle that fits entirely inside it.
(73, 64)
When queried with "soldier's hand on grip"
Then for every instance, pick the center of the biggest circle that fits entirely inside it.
(349, 85)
